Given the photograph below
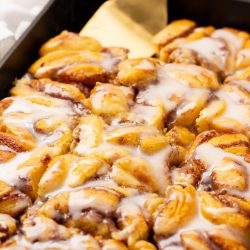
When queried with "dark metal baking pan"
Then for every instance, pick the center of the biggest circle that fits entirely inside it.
(73, 14)
(56, 16)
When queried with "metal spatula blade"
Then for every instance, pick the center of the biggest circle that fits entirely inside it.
(128, 23)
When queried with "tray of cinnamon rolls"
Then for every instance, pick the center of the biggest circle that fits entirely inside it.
(99, 151)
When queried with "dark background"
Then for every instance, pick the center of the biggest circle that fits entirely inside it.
(73, 14)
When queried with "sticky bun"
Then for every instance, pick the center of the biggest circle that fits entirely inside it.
(102, 152)
(221, 50)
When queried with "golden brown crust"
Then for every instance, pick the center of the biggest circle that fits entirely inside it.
(70, 41)
(128, 154)
(12, 201)
(6, 155)
(174, 30)
(215, 49)
(14, 143)
(191, 239)
(83, 66)
(138, 72)
(56, 89)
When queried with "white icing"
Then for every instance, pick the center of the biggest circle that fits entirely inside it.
(143, 112)
(237, 111)
(109, 62)
(156, 161)
(37, 228)
(170, 91)
(222, 210)
(197, 223)
(243, 83)
(137, 201)
(145, 64)
(210, 48)
(8, 170)
(158, 165)
(92, 183)
(76, 242)
(7, 217)
(234, 42)
(78, 201)
(206, 150)
(22, 113)
(23, 105)
(243, 57)
(6, 148)
(89, 142)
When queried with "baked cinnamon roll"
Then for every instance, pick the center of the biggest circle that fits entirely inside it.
(215, 49)
(101, 152)
(226, 172)
(228, 110)
(177, 91)
(84, 67)
(70, 41)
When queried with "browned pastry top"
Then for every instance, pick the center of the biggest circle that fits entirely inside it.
(102, 152)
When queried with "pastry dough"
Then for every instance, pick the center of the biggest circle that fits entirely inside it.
(101, 152)
(221, 50)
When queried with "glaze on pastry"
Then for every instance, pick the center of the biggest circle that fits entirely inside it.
(102, 152)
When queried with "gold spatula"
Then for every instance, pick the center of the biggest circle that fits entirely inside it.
(128, 23)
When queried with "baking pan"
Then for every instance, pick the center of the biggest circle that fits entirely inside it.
(73, 14)
(56, 16)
